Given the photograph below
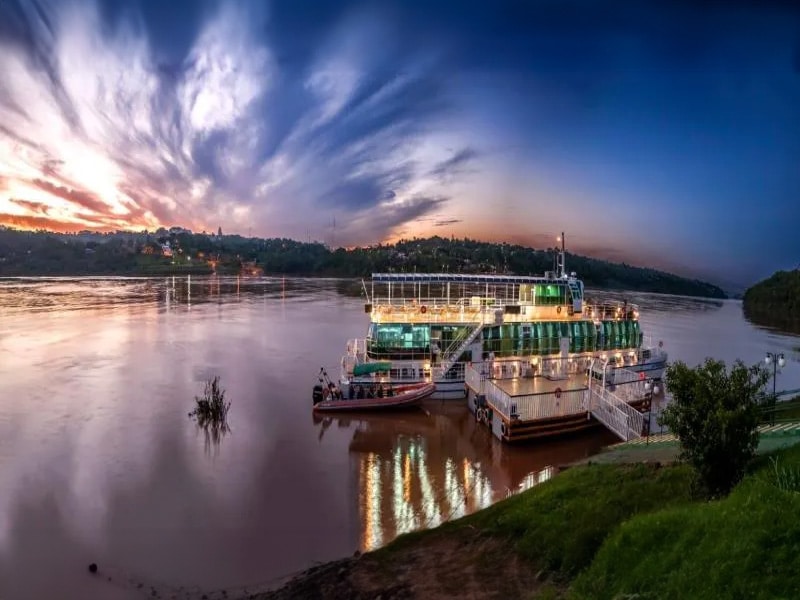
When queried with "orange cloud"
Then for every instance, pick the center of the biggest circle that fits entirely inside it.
(34, 207)
(37, 222)
(79, 197)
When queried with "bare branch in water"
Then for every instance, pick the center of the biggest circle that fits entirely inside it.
(211, 408)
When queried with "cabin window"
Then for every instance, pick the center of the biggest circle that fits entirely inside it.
(399, 341)
(549, 294)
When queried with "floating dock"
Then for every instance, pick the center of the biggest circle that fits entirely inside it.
(516, 406)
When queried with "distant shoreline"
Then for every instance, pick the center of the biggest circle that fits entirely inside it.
(352, 278)
(181, 252)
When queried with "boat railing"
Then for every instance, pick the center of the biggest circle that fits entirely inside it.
(610, 310)
(612, 407)
(475, 378)
(438, 301)
(357, 348)
(549, 404)
(407, 309)
(554, 367)
(628, 387)
(525, 407)
(656, 347)
(492, 301)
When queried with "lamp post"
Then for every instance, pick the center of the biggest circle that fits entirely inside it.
(776, 360)
(652, 389)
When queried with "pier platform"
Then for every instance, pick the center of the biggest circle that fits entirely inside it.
(517, 407)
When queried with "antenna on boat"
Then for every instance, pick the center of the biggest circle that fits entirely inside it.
(561, 267)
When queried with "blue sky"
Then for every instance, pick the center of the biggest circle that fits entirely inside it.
(659, 133)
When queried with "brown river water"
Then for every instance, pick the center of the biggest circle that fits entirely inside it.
(99, 461)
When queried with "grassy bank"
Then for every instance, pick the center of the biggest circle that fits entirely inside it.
(594, 531)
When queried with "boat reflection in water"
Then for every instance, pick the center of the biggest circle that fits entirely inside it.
(417, 469)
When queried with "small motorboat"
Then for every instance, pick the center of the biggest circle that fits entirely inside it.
(328, 397)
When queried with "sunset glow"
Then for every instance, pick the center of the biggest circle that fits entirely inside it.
(674, 147)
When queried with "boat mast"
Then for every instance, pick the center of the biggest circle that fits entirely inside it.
(561, 267)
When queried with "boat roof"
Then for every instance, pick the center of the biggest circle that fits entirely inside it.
(462, 278)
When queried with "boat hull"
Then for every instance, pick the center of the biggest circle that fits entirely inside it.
(407, 396)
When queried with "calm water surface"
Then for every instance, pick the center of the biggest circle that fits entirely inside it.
(100, 463)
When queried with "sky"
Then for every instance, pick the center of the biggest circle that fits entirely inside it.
(664, 134)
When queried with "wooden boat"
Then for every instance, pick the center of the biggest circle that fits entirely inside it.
(402, 396)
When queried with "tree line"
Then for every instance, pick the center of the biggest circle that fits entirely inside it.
(775, 301)
(48, 253)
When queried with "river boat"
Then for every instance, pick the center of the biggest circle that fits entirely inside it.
(370, 396)
(430, 326)
(539, 340)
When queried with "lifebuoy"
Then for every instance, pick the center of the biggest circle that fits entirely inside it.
(641, 374)
(423, 309)
(558, 309)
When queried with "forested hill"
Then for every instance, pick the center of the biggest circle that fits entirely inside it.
(177, 250)
(775, 301)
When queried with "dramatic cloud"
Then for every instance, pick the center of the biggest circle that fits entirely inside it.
(97, 129)
(663, 135)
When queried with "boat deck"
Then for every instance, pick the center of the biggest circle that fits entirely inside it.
(524, 386)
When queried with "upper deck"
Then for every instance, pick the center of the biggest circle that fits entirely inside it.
(485, 299)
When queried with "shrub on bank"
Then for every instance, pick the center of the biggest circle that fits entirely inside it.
(715, 414)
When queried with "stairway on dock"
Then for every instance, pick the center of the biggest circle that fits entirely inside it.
(457, 348)
(613, 412)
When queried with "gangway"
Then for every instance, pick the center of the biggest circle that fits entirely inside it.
(612, 411)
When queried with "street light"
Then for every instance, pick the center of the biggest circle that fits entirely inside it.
(652, 389)
(776, 360)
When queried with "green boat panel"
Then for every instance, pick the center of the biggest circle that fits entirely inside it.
(371, 367)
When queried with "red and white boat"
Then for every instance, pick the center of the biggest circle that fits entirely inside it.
(330, 399)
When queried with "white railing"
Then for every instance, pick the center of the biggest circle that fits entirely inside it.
(550, 404)
(511, 369)
(629, 386)
(474, 379)
(528, 406)
(357, 348)
(451, 355)
(610, 308)
(611, 408)
(613, 412)
(499, 399)
(655, 346)
(432, 314)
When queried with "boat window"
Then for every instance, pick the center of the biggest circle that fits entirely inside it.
(549, 294)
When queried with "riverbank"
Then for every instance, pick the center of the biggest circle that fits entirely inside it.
(595, 531)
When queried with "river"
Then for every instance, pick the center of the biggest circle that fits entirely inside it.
(99, 461)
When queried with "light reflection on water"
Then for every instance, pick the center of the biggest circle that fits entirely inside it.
(99, 462)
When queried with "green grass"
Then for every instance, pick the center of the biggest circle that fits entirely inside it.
(782, 410)
(635, 531)
(786, 478)
(744, 546)
(560, 525)
(563, 524)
